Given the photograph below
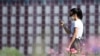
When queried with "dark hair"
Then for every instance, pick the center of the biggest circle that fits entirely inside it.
(76, 11)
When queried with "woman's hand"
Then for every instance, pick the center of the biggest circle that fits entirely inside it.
(61, 23)
(68, 49)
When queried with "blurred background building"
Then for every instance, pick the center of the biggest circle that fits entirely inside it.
(32, 26)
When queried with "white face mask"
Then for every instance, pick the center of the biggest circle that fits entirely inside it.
(71, 19)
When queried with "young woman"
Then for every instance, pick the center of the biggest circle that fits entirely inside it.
(76, 31)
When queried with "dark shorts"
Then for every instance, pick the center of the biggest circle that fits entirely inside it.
(76, 44)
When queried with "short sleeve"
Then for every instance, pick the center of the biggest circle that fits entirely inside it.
(75, 23)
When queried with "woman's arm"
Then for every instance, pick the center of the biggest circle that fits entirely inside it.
(66, 29)
(73, 37)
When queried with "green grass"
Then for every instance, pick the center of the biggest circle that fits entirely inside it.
(10, 52)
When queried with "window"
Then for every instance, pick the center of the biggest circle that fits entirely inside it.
(78, 1)
(97, 1)
(50, 1)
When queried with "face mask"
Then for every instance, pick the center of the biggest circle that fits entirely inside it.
(71, 19)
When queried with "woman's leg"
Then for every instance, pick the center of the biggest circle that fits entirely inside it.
(78, 45)
(73, 45)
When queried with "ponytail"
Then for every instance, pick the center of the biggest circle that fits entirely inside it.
(76, 11)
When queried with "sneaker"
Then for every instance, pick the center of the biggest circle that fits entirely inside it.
(73, 51)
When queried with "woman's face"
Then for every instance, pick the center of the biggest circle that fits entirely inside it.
(72, 17)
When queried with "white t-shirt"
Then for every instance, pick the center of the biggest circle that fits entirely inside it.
(78, 23)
